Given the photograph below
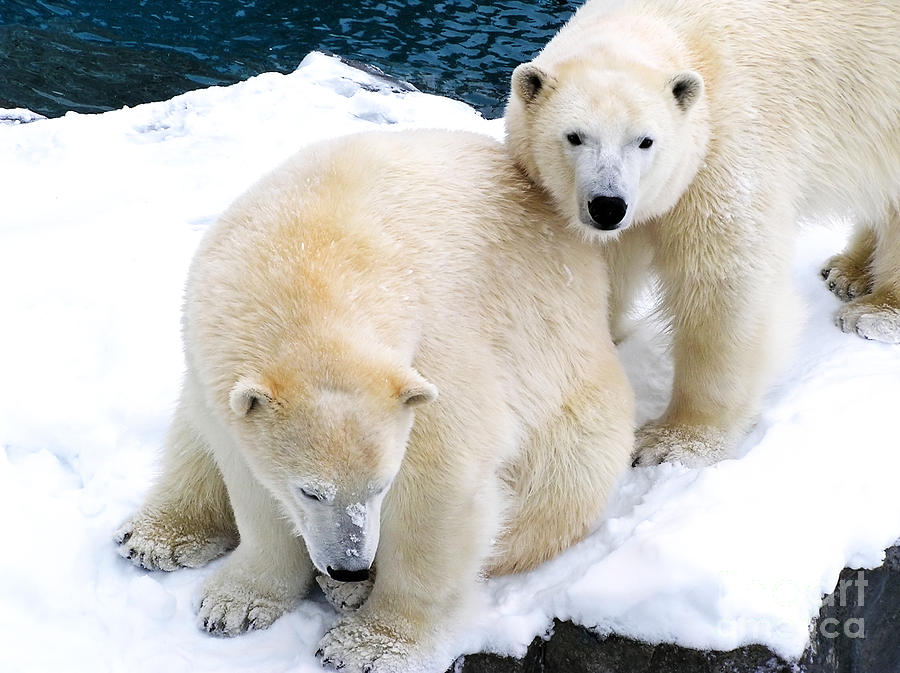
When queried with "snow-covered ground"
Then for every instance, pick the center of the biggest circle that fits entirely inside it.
(99, 216)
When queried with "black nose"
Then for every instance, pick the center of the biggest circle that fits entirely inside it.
(607, 211)
(348, 575)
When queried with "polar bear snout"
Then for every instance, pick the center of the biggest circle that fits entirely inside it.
(342, 534)
(606, 183)
(345, 575)
(607, 212)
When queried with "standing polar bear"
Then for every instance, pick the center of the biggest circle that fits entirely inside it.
(323, 314)
(692, 135)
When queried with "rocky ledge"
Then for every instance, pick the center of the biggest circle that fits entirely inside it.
(849, 636)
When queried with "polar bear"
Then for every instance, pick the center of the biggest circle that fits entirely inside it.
(389, 363)
(689, 136)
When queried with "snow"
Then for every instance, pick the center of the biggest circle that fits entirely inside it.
(357, 513)
(99, 217)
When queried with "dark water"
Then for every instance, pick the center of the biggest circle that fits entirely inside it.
(96, 55)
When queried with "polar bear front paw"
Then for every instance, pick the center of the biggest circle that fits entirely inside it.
(157, 542)
(229, 607)
(870, 318)
(692, 446)
(345, 596)
(845, 278)
(355, 645)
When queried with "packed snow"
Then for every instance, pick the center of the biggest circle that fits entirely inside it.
(99, 217)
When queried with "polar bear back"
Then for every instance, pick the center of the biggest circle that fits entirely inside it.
(431, 244)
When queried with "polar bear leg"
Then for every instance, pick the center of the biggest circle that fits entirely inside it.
(735, 315)
(268, 572)
(876, 315)
(186, 519)
(849, 274)
(628, 260)
(567, 472)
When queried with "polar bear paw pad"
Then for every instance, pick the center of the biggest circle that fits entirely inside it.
(230, 613)
(846, 279)
(345, 596)
(690, 446)
(355, 646)
(870, 320)
(156, 545)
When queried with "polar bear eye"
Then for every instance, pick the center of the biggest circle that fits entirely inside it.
(646, 143)
(309, 495)
(574, 139)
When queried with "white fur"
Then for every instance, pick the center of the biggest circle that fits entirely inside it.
(761, 113)
(393, 343)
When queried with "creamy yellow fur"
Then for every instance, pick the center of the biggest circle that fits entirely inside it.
(798, 117)
(322, 311)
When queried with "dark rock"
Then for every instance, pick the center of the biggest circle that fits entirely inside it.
(491, 663)
(574, 648)
(857, 631)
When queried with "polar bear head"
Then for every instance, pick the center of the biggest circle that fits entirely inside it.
(329, 452)
(612, 145)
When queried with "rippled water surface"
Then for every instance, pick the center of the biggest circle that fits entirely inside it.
(96, 55)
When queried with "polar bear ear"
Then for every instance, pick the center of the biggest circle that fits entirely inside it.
(686, 87)
(529, 82)
(248, 395)
(416, 390)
